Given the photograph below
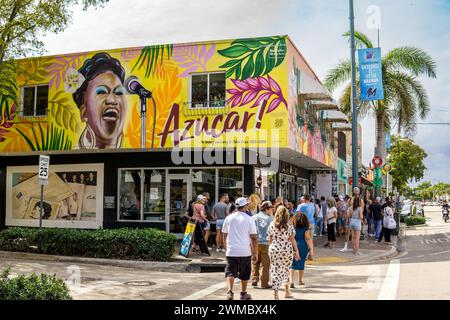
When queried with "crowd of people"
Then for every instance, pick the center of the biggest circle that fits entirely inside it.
(272, 240)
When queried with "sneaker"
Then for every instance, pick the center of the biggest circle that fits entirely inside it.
(223, 250)
(245, 296)
(358, 254)
(218, 250)
(345, 249)
(326, 245)
(230, 295)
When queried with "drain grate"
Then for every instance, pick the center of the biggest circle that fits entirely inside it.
(140, 283)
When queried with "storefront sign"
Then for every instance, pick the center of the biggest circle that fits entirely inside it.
(370, 74)
(334, 183)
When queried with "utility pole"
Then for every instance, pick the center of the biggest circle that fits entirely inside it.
(353, 99)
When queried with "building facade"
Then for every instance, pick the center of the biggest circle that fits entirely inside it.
(231, 116)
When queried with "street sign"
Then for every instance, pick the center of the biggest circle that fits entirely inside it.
(387, 167)
(377, 161)
(370, 74)
(44, 163)
(378, 182)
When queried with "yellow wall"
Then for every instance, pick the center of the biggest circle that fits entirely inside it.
(256, 70)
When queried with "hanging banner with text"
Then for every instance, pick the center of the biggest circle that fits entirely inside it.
(370, 74)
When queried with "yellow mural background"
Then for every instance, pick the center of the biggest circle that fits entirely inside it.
(168, 88)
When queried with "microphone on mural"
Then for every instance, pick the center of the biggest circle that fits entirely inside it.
(134, 86)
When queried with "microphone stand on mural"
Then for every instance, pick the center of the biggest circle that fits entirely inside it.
(143, 100)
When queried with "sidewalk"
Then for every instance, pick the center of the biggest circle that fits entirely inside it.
(369, 248)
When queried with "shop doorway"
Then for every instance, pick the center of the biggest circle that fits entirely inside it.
(179, 189)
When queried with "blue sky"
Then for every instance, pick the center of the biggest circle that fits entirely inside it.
(316, 27)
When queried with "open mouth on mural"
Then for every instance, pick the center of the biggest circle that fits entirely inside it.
(111, 115)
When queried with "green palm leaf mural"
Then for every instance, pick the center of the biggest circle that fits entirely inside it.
(51, 139)
(151, 56)
(251, 58)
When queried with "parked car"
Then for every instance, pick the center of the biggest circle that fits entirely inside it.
(406, 211)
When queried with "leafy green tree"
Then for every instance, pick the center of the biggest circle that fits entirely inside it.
(423, 191)
(22, 24)
(405, 97)
(407, 161)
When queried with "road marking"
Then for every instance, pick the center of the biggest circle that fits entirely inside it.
(390, 285)
(203, 293)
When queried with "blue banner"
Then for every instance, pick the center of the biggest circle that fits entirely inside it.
(388, 139)
(370, 74)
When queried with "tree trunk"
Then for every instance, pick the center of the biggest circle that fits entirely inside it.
(380, 148)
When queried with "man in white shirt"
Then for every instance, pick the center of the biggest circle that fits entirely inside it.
(241, 241)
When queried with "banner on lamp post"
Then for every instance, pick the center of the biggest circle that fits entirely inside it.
(370, 74)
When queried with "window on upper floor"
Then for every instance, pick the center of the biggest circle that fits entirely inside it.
(207, 90)
(34, 100)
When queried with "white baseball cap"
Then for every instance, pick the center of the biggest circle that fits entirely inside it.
(200, 197)
(341, 197)
(241, 202)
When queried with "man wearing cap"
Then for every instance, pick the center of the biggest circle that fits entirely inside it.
(262, 221)
(241, 241)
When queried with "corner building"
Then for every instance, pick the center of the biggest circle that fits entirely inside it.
(229, 116)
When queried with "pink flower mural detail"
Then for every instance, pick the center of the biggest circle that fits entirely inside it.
(192, 57)
(256, 90)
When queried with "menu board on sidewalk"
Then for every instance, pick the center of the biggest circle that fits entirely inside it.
(193, 232)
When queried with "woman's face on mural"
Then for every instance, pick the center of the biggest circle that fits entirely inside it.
(104, 107)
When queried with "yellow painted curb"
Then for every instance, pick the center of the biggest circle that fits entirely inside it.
(326, 260)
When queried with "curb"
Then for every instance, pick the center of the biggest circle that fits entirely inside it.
(143, 265)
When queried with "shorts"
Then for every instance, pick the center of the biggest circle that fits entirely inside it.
(219, 224)
(355, 224)
(239, 267)
(207, 226)
(203, 225)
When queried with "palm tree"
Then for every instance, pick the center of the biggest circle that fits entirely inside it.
(404, 96)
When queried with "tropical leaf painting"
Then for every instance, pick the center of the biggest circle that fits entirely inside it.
(48, 138)
(57, 70)
(64, 114)
(34, 71)
(152, 56)
(251, 58)
(6, 118)
(165, 94)
(256, 90)
(192, 57)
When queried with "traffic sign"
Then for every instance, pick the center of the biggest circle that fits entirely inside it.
(387, 167)
(44, 163)
(377, 161)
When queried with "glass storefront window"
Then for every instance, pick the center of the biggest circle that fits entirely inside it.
(230, 182)
(155, 195)
(267, 188)
(130, 195)
(204, 180)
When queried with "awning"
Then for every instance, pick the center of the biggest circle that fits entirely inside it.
(312, 89)
(324, 105)
(341, 126)
(335, 116)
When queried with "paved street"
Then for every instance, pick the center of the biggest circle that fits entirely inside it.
(419, 272)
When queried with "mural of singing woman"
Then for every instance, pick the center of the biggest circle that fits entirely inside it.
(102, 103)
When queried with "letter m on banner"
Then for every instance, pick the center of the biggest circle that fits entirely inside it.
(370, 74)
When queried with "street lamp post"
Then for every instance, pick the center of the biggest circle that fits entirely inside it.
(353, 99)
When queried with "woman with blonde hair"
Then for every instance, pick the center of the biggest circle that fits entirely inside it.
(282, 244)
(254, 202)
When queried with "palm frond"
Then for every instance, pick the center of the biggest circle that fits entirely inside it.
(412, 59)
(338, 75)
(361, 40)
(404, 106)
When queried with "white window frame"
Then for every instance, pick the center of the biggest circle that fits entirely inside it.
(22, 96)
(207, 89)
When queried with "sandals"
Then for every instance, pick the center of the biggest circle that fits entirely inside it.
(301, 283)
(275, 295)
(292, 285)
